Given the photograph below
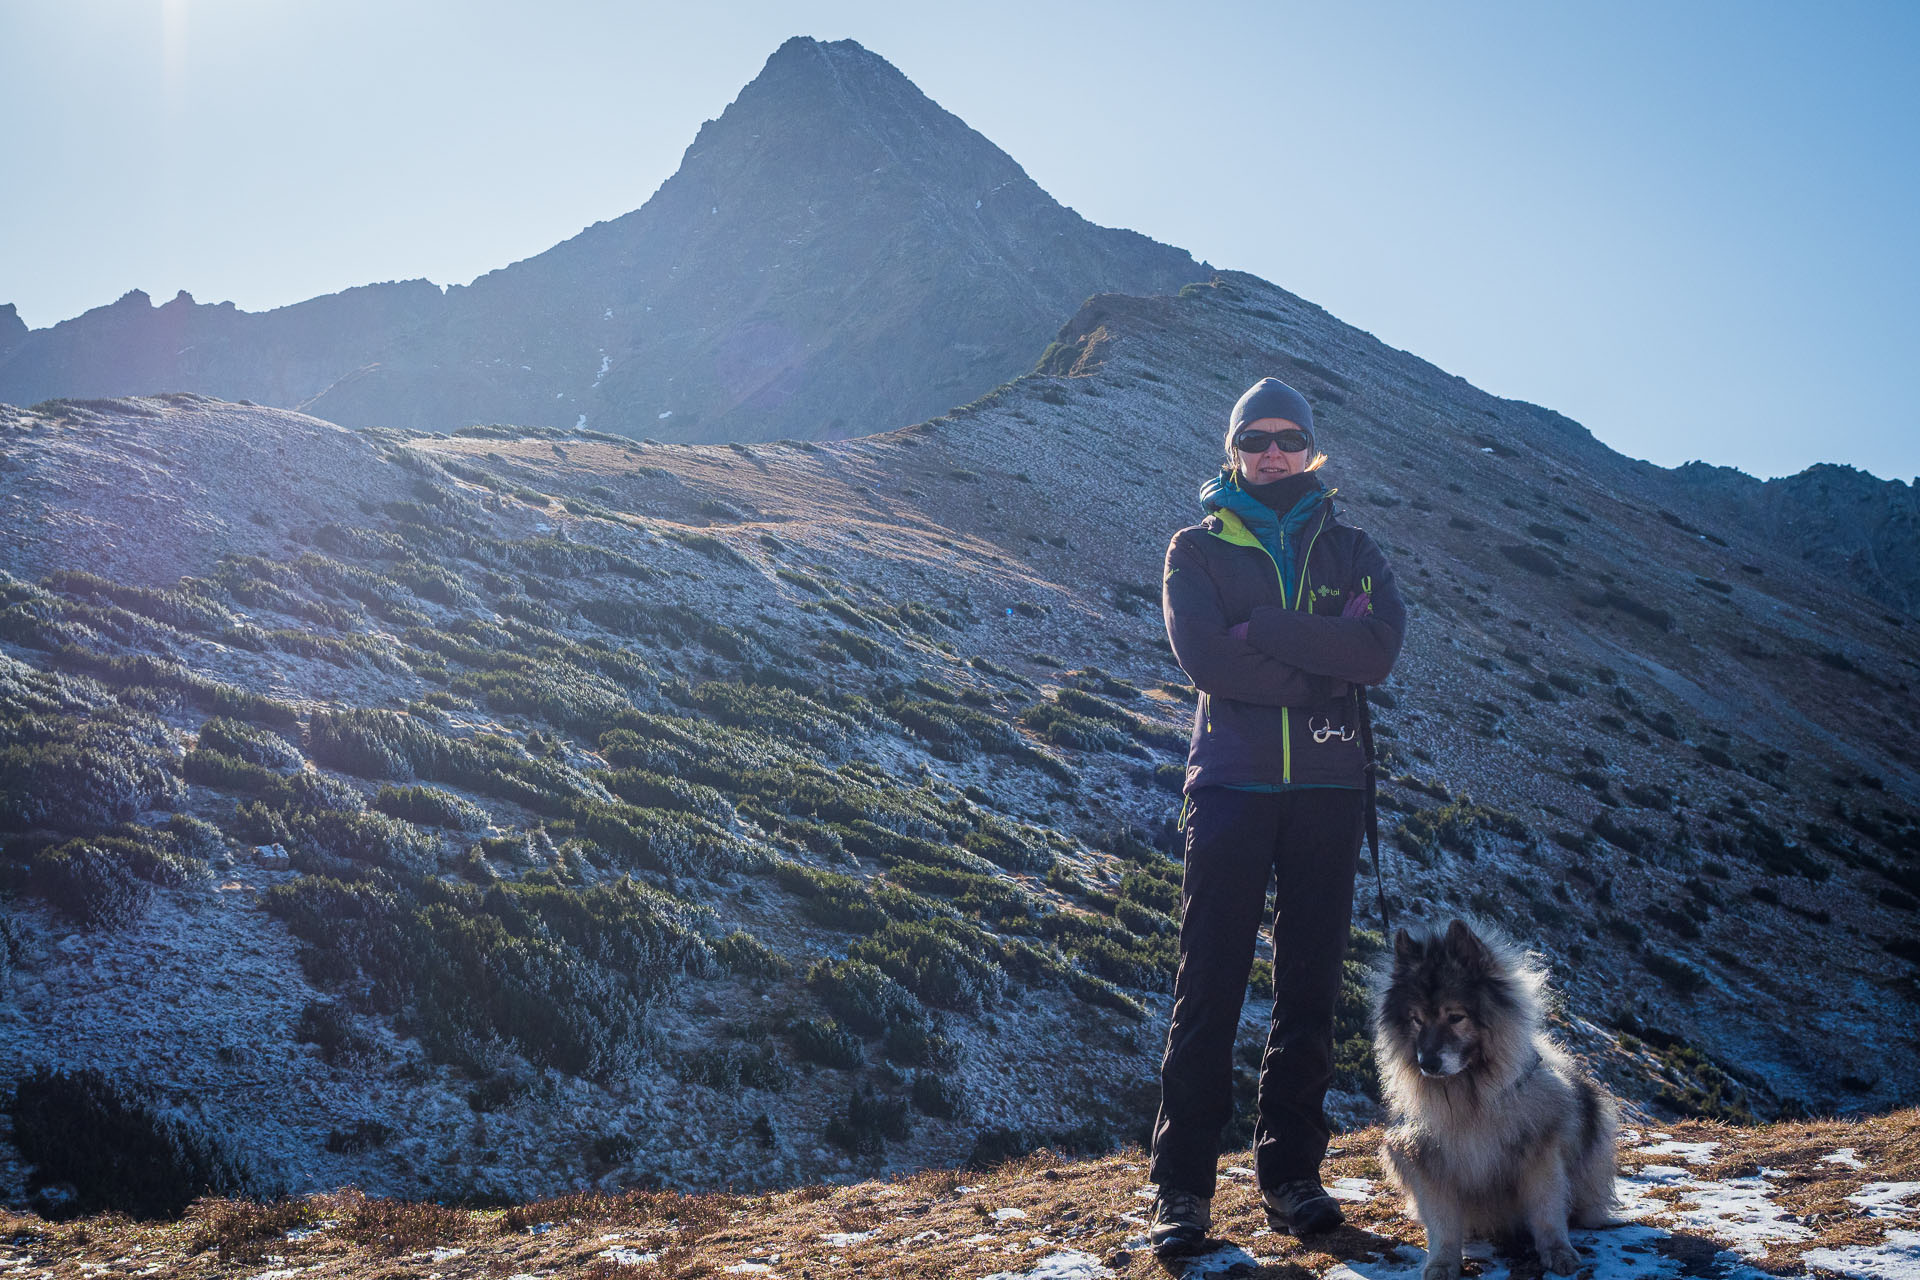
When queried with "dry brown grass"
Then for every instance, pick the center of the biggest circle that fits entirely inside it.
(926, 1226)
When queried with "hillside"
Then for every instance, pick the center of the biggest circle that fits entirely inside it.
(694, 816)
(836, 255)
(1696, 1200)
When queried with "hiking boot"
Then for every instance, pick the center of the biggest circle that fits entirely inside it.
(1180, 1222)
(1301, 1208)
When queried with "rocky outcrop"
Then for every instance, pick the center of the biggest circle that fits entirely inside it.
(280, 357)
(1863, 530)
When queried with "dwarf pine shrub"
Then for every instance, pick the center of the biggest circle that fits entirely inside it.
(562, 976)
(937, 960)
(988, 898)
(115, 1150)
(661, 791)
(732, 1067)
(431, 807)
(826, 1042)
(1064, 728)
(869, 1122)
(773, 709)
(864, 997)
(83, 774)
(95, 883)
(250, 743)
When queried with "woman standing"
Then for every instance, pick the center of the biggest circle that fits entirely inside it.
(1279, 614)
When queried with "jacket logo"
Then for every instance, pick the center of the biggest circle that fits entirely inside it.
(1324, 731)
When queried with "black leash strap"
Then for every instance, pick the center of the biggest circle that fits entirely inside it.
(1373, 810)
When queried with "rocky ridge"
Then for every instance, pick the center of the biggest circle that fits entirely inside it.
(836, 255)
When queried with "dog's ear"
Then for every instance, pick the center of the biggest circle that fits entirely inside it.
(1465, 946)
(1405, 949)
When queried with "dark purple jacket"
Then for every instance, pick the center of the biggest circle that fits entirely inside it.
(1278, 709)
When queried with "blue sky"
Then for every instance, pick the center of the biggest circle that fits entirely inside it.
(1689, 226)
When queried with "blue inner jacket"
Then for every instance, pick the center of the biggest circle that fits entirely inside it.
(1275, 532)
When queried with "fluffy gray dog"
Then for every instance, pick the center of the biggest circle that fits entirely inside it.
(1495, 1131)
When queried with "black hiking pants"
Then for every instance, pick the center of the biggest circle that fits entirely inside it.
(1237, 842)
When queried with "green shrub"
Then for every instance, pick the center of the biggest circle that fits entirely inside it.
(987, 898)
(75, 774)
(183, 608)
(732, 1067)
(938, 961)
(1455, 826)
(864, 997)
(1002, 843)
(82, 1129)
(1064, 728)
(869, 1122)
(662, 840)
(563, 976)
(661, 791)
(745, 954)
(209, 768)
(249, 743)
(325, 1025)
(826, 1042)
(936, 1096)
(431, 807)
(772, 709)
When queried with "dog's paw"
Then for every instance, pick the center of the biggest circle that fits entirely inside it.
(1560, 1258)
(1441, 1269)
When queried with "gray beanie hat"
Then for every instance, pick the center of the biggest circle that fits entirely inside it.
(1272, 398)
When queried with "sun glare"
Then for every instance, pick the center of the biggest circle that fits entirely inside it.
(173, 43)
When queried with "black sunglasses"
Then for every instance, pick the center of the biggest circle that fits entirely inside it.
(1256, 442)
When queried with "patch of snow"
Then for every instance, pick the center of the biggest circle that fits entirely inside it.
(964, 1191)
(1885, 1199)
(1146, 1193)
(1691, 1152)
(928, 1234)
(1895, 1258)
(1239, 1171)
(666, 415)
(609, 314)
(1068, 1264)
(1228, 1259)
(1845, 1156)
(581, 423)
(1008, 1213)
(1658, 1173)
(747, 1268)
(842, 1239)
(444, 1252)
(1356, 1190)
(1740, 1208)
(622, 1256)
(606, 363)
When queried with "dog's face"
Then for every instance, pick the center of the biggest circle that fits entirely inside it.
(1437, 1000)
